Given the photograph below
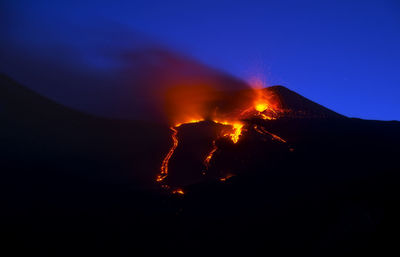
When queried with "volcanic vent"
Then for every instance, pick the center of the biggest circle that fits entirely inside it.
(209, 127)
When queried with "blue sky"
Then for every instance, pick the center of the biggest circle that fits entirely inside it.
(344, 55)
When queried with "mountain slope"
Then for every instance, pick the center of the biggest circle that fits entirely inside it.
(18, 103)
(73, 183)
(300, 106)
(39, 131)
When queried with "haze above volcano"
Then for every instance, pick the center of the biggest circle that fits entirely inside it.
(336, 53)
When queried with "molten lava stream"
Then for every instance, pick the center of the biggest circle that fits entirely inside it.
(164, 166)
(223, 179)
(210, 155)
(234, 135)
(263, 131)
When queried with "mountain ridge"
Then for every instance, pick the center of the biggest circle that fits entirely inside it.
(89, 186)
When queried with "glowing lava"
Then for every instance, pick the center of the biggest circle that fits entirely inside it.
(223, 179)
(178, 191)
(233, 134)
(164, 166)
(263, 131)
(210, 155)
(236, 130)
(261, 106)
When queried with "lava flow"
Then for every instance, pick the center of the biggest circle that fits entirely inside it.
(234, 135)
(260, 106)
(210, 155)
(164, 166)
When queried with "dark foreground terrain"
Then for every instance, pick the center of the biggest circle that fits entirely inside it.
(77, 185)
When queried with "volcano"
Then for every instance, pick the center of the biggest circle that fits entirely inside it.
(295, 178)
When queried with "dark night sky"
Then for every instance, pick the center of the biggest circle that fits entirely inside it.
(342, 54)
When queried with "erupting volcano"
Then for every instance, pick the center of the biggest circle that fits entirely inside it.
(254, 166)
(234, 113)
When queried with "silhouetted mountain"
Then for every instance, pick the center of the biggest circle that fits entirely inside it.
(39, 131)
(300, 106)
(75, 184)
(18, 102)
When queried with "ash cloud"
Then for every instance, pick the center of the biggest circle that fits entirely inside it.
(102, 68)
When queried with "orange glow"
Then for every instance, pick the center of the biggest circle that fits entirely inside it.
(266, 117)
(278, 138)
(198, 103)
(188, 122)
(210, 155)
(263, 131)
(223, 179)
(187, 104)
(164, 166)
(178, 191)
(260, 107)
(236, 129)
(233, 134)
(265, 104)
